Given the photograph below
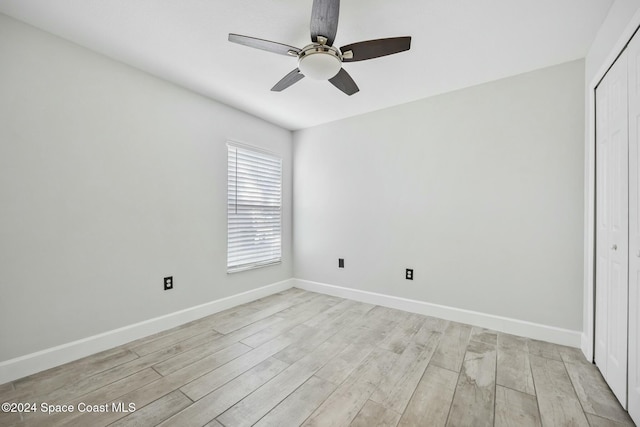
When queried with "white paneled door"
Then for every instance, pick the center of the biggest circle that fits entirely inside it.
(633, 63)
(612, 233)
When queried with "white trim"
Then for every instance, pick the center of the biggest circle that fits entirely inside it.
(490, 321)
(246, 146)
(586, 347)
(589, 190)
(35, 362)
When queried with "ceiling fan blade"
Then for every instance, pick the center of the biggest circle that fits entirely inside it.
(324, 20)
(267, 45)
(375, 48)
(344, 82)
(288, 80)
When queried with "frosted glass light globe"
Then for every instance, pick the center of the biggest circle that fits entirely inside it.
(319, 64)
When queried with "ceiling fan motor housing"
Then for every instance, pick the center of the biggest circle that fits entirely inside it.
(319, 62)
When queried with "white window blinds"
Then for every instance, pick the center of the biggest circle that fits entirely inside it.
(253, 208)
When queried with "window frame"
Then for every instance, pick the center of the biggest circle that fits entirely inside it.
(259, 152)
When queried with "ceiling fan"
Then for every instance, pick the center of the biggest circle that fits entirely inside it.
(320, 60)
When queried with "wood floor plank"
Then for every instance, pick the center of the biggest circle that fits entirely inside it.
(512, 342)
(45, 382)
(192, 355)
(90, 383)
(200, 330)
(192, 341)
(233, 324)
(594, 394)
(400, 337)
(337, 325)
(572, 355)
(6, 388)
(201, 325)
(95, 363)
(97, 397)
(182, 359)
(595, 421)
(389, 313)
(342, 406)
(155, 412)
(293, 296)
(453, 344)
(396, 388)
(6, 395)
(376, 321)
(183, 345)
(374, 414)
(514, 370)
(250, 409)
(399, 397)
(514, 408)
(286, 324)
(435, 324)
(344, 363)
(11, 419)
(557, 400)
(307, 312)
(218, 401)
(430, 403)
(297, 407)
(304, 299)
(345, 305)
(165, 385)
(487, 336)
(256, 305)
(544, 349)
(118, 388)
(220, 376)
(299, 308)
(326, 319)
(473, 402)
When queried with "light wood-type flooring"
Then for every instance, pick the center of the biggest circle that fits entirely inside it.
(301, 358)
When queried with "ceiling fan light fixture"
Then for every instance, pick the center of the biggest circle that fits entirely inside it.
(319, 62)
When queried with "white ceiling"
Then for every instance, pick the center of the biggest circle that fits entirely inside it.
(456, 44)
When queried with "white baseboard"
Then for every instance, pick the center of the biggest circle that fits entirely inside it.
(22, 366)
(503, 324)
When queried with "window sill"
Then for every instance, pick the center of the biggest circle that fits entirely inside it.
(252, 266)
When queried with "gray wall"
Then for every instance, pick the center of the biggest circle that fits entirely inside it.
(480, 191)
(111, 179)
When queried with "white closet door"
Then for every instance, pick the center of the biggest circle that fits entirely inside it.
(612, 233)
(633, 59)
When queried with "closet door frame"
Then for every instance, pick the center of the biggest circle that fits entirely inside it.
(587, 343)
(633, 89)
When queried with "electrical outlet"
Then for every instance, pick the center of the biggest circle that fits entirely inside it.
(340, 262)
(409, 274)
(168, 283)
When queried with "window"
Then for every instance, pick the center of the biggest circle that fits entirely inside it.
(253, 208)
